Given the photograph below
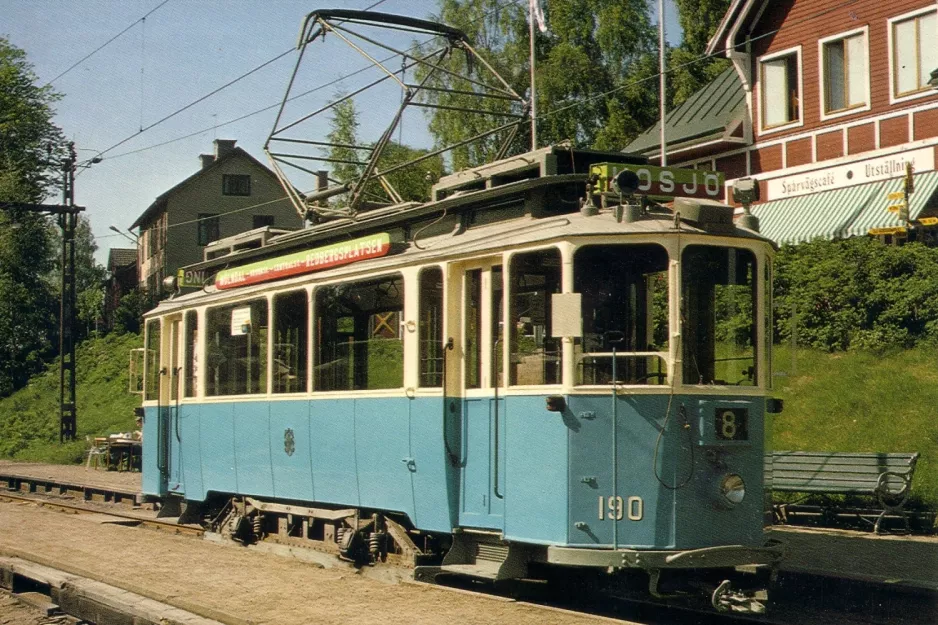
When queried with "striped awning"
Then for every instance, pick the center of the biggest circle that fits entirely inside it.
(842, 213)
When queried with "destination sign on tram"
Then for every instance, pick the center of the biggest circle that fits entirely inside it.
(665, 181)
(306, 261)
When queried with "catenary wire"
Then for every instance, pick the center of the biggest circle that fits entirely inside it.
(210, 94)
(103, 45)
(296, 97)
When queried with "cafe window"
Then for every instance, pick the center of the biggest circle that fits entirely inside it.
(534, 353)
(192, 357)
(291, 330)
(236, 349)
(358, 335)
(430, 331)
(844, 71)
(152, 364)
(781, 89)
(914, 52)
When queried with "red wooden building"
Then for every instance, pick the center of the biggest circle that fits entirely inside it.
(825, 103)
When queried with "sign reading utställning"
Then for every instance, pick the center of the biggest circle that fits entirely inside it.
(307, 261)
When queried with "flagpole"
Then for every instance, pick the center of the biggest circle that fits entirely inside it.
(662, 82)
(533, 96)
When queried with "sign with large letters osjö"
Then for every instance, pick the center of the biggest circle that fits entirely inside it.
(307, 261)
(664, 181)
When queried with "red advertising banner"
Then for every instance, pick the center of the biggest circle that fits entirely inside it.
(307, 261)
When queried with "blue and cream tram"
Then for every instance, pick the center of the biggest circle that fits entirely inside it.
(529, 370)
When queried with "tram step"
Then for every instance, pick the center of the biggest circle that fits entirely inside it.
(481, 569)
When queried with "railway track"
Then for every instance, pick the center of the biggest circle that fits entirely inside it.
(798, 600)
(120, 516)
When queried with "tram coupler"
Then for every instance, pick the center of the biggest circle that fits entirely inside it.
(726, 599)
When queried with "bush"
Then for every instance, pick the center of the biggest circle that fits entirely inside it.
(857, 293)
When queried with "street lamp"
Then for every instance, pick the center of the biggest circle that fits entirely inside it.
(135, 240)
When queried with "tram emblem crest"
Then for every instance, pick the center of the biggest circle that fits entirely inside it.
(289, 443)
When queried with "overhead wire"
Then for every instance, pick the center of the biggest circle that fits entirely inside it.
(296, 97)
(211, 93)
(105, 44)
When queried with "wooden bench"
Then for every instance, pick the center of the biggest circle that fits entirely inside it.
(885, 476)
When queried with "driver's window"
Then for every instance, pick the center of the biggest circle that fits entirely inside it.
(718, 313)
(624, 290)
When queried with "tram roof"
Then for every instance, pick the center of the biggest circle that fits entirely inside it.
(520, 232)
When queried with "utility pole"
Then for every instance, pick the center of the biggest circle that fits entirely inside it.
(68, 221)
(67, 213)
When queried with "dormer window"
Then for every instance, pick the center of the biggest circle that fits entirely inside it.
(780, 77)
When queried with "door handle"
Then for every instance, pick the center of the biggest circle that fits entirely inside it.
(411, 464)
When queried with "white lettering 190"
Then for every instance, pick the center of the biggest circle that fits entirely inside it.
(612, 508)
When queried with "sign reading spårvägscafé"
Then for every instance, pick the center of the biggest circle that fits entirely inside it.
(307, 261)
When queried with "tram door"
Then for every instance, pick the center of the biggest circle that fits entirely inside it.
(170, 459)
(483, 425)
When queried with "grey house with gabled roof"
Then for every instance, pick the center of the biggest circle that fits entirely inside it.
(231, 193)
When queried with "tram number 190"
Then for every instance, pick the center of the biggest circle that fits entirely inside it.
(614, 508)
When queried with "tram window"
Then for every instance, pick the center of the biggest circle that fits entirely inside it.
(624, 291)
(473, 328)
(769, 322)
(718, 309)
(497, 316)
(152, 385)
(535, 355)
(236, 349)
(431, 327)
(359, 344)
(192, 360)
(291, 323)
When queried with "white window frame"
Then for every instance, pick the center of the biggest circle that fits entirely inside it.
(796, 50)
(890, 28)
(859, 108)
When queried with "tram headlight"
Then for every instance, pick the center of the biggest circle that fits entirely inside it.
(733, 489)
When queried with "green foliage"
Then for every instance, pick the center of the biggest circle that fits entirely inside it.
(699, 20)
(861, 401)
(30, 145)
(857, 293)
(130, 310)
(29, 426)
(412, 183)
(344, 132)
(587, 67)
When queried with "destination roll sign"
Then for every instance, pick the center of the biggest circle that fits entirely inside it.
(306, 261)
(664, 181)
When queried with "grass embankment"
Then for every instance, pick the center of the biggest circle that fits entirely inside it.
(859, 401)
(29, 419)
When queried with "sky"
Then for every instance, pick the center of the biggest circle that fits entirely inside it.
(182, 50)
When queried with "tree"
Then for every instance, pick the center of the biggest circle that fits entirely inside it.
(344, 134)
(89, 277)
(30, 148)
(411, 183)
(689, 73)
(592, 68)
